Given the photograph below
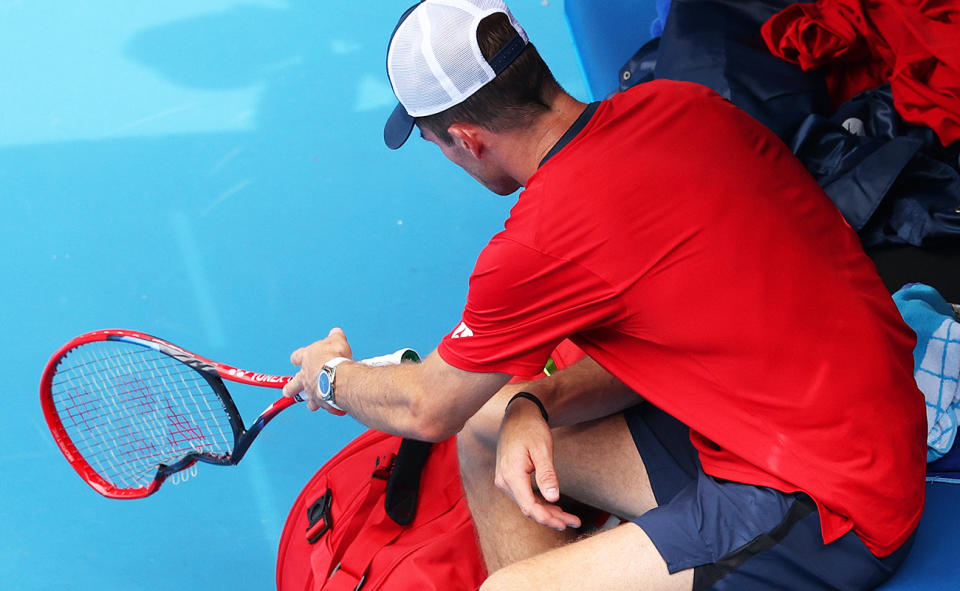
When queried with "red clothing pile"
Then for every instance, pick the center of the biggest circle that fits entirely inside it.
(860, 44)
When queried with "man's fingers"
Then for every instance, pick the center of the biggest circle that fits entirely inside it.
(337, 335)
(335, 344)
(517, 486)
(546, 476)
(296, 358)
(293, 387)
(554, 517)
(547, 514)
(550, 516)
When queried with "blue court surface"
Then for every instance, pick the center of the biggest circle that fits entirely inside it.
(213, 173)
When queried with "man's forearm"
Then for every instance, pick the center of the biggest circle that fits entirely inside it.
(429, 401)
(582, 392)
(388, 398)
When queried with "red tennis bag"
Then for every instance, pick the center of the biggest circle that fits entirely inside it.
(384, 513)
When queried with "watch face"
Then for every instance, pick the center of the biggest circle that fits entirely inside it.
(323, 383)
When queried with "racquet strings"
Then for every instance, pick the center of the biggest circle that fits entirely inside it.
(129, 409)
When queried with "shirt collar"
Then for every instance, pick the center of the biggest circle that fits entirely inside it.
(572, 132)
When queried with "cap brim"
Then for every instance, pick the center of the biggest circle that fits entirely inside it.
(398, 128)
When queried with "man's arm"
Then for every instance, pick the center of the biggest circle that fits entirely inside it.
(429, 401)
(582, 392)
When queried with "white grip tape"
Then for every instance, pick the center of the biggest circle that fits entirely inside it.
(395, 358)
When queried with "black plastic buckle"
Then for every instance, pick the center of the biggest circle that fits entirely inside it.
(384, 466)
(318, 516)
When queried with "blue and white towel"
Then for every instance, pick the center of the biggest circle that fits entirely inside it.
(936, 361)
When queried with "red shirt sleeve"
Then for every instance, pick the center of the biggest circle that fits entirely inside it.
(521, 304)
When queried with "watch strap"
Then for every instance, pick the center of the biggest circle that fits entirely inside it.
(335, 362)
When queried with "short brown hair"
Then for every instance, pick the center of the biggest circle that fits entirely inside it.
(523, 91)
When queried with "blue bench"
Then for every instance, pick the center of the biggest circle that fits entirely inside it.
(606, 35)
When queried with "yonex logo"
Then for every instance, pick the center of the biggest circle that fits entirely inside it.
(256, 377)
(462, 331)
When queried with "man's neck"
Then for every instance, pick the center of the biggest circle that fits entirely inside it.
(522, 151)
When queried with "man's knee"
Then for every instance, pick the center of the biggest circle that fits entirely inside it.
(477, 445)
(479, 436)
(507, 578)
(493, 583)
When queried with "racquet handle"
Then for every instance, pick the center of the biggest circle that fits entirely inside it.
(395, 358)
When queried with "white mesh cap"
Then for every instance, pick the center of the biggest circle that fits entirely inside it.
(434, 62)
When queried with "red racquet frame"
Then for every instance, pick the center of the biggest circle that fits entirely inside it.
(212, 371)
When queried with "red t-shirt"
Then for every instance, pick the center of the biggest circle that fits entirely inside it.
(681, 245)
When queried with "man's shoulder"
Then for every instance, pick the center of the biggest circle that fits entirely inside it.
(513, 247)
(664, 89)
(651, 108)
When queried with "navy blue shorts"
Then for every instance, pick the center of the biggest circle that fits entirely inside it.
(737, 536)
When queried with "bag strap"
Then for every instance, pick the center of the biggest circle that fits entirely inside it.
(376, 485)
(403, 471)
(351, 571)
(388, 521)
(403, 487)
(395, 479)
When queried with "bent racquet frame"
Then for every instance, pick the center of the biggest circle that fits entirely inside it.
(71, 398)
(128, 409)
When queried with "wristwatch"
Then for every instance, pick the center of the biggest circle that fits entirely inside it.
(326, 379)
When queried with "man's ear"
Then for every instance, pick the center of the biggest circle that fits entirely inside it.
(469, 137)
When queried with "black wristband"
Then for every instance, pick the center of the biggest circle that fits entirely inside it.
(533, 399)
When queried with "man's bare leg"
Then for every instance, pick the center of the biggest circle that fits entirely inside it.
(597, 463)
(506, 535)
(621, 559)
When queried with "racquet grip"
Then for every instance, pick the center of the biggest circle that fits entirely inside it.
(395, 358)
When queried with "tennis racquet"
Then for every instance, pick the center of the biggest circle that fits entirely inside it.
(128, 409)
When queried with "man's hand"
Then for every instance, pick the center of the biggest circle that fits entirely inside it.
(526, 447)
(310, 359)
